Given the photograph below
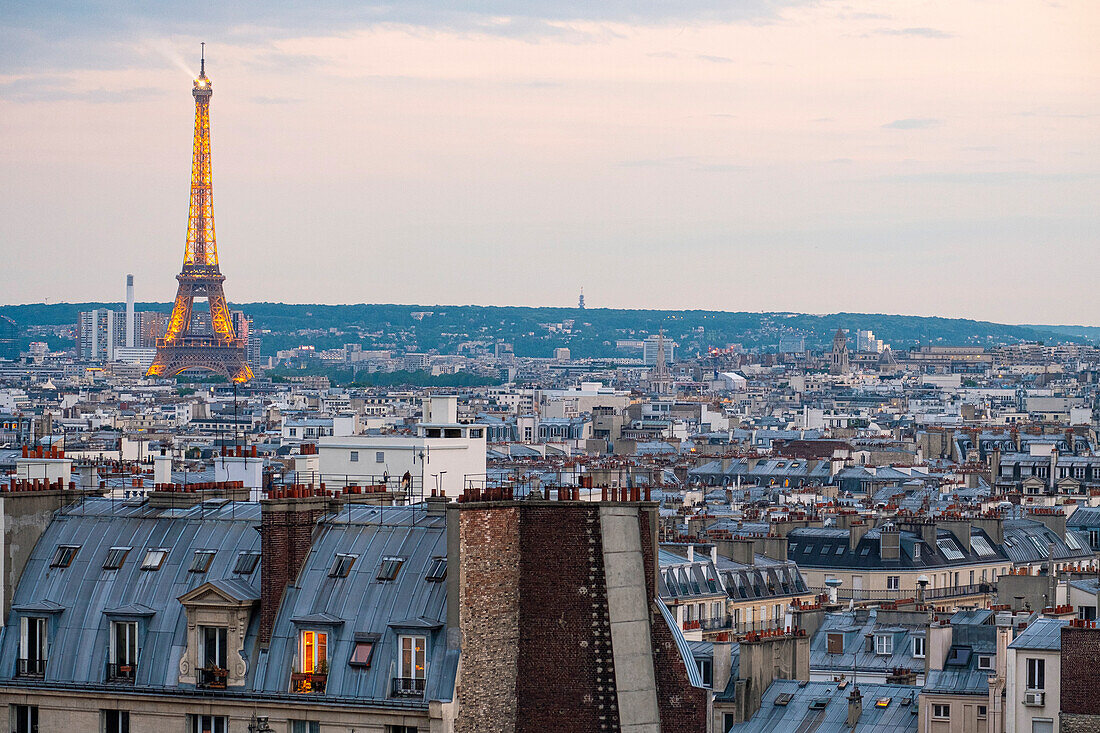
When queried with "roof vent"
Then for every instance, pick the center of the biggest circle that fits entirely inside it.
(782, 699)
(819, 703)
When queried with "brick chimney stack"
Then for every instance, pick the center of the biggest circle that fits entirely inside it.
(286, 534)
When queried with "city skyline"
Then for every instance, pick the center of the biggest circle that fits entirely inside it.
(496, 157)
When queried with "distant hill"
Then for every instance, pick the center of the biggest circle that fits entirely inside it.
(587, 333)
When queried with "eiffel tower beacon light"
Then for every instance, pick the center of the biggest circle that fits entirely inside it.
(182, 348)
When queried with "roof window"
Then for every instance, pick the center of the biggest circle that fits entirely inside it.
(154, 558)
(437, 569)
(201, 560)
(115, 557)
(390, 567)
(246, 562)
(64, 555)
(341, 565)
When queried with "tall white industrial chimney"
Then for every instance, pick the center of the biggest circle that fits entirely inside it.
(129, 311)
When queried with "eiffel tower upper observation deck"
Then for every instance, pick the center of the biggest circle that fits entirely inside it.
(181, 348)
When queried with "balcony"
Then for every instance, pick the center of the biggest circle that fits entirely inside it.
(306, 682)
(122, 673)
(408, 687)
(32, 668)
(212, 678)
(930, 594)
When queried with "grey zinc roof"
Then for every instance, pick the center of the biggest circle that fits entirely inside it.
(796, 715)
(957, 682)
(364, 605)
(856, 626)
(86, 592)
(82, 598)
(1042, 634)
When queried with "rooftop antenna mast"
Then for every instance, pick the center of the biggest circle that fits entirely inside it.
(202, 59)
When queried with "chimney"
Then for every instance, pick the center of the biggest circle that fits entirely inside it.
(1052, 518)
(960, 528)
(775, 548)
(722, 661)
(436, 506)
(286, 535)
(130, 311)
(162, 468)
(766, 658)
(889, 539)
(691, 552)
(992, 524)
(856, 532)
(743, 550)
(855, 707)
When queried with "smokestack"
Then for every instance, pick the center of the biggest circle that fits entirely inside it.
(129, 311)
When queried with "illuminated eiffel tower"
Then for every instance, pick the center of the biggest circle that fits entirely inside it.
(180, 348)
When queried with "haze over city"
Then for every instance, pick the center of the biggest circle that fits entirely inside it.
(934, 158)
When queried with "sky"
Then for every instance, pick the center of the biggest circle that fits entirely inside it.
(926, 157)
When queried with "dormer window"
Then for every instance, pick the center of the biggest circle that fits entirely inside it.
(64, 556)
(341, 565)
(201, 560)
(246, 563)
(389, 568)
(154, 558)
(411, 666)
(884, 644)
(32, 647)
(115, 557)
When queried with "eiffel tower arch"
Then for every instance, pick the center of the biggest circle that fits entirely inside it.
(181, 347)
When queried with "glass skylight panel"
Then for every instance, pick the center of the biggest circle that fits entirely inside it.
(200, 561)
(341, 565)
(115, 557)
(1073, 542)
(389, 568)
(949, 550)
(981, 546)
(246, 563)
(154, 558)
(64, 556)
(437, 569)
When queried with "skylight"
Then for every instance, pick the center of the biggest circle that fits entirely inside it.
(389, 568)
(64, 555)
(201, 560)
(437, 569)
(115, 557)
(246, 563)
(154, 558)
(981, 546)
(341, 565)
(949, 550)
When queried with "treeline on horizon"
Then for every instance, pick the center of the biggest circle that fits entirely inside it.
(594, 332)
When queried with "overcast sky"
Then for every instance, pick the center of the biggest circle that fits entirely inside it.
(936, 157)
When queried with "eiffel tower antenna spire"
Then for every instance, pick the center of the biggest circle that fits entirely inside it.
(202, 59)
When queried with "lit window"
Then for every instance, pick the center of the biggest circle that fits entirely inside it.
(200, 563)
(64, 555)
(115, 557)
(341, 565)
(412, 658)
(246, 563)
(154, 558)
(389, 568)
(437, 569)
(314, 651)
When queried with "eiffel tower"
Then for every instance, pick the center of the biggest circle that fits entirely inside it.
(181, 348)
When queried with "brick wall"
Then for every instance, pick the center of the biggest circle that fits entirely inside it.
(567, 674)
(489, 619)
(536, 635)
(1080, 660)
(683, 707)
(286, 534)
